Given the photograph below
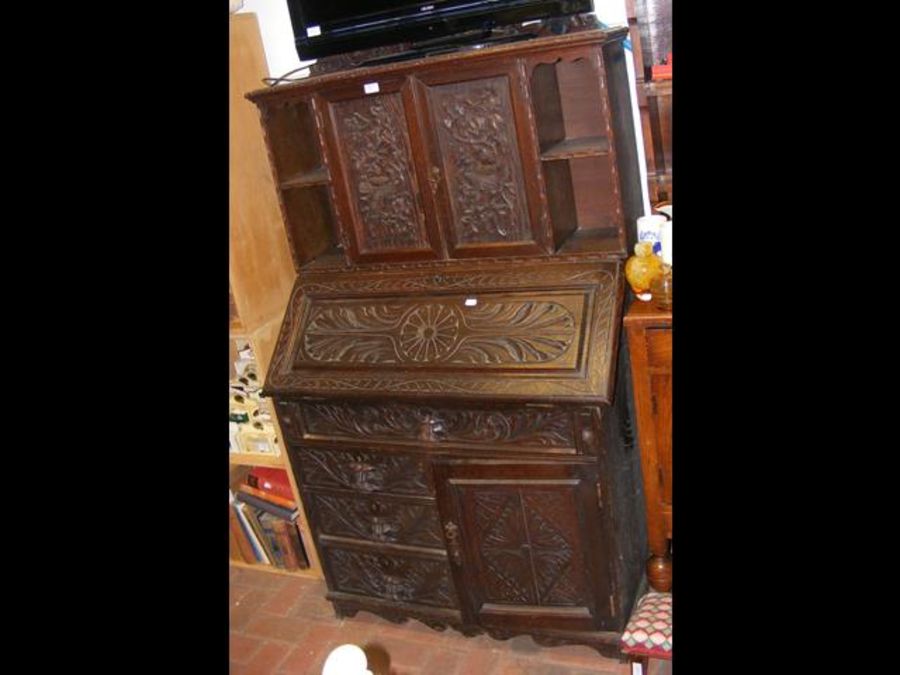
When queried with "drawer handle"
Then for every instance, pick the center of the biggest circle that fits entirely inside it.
(365, 476)
(383, 529)
(431, 429)
(451, 531)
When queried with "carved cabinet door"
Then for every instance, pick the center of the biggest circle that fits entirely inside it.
(484, 170)
(523, 541)
(372, 136)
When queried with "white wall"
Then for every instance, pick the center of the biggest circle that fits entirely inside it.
(277, 35)
(281, 55)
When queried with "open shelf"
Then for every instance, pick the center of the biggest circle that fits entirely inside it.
(592, 146)
(249, 459)
(293, 124)
(581, 194)
(310, 220)
(317, 176)
(307, 573)
(571, 111)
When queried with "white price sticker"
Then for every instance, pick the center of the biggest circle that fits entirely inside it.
(371, 88)
(313, 31)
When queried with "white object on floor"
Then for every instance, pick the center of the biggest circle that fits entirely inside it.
(346, 660)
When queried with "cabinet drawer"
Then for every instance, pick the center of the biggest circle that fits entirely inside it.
(533, 428)
(363, 470)
(400, 577)
(393, 520)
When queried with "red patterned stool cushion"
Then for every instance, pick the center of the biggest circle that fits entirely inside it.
(649, 631)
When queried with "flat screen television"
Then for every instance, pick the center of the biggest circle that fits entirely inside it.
(327, 27)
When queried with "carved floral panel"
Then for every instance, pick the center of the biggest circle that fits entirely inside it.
(445, 332)
(402, 579)
(477, 138)
(376, 150)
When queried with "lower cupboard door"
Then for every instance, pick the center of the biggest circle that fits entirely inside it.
(524, 544)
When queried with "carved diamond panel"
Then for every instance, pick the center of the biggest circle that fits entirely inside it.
(376, 149)
(477, 139)
(402, 579)
(528, 543)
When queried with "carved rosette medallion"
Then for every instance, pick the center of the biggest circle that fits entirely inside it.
(429, 333)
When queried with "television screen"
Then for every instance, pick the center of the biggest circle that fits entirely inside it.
(341, 11)
(324, 27)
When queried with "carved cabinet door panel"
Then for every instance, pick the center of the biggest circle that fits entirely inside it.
(484, 171)
(372, 140)
(523, 540)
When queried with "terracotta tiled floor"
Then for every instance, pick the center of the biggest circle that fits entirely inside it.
(283, 625)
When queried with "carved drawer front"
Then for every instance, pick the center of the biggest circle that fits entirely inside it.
(410, 521)
(363, 470)
(418, 579)
(532, 428)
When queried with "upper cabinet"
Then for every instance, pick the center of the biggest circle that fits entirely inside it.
(461, 156)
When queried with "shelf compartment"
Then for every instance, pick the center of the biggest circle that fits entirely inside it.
(310, 221)
(575, 148)
(317, 176)
(291, 128)
(582, 199)
(569, 105)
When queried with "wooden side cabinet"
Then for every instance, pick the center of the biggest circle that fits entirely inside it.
(650, 344)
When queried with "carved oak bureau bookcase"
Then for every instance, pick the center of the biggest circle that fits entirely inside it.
(448, 376)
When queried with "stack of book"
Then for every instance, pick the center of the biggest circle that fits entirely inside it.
(264, 521)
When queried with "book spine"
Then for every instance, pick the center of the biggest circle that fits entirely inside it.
(297, 538)
(267, 522)
(238, 539)
(258, 551)
(269, 497)
(252, 516)
(268, 507)
(282, 528)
